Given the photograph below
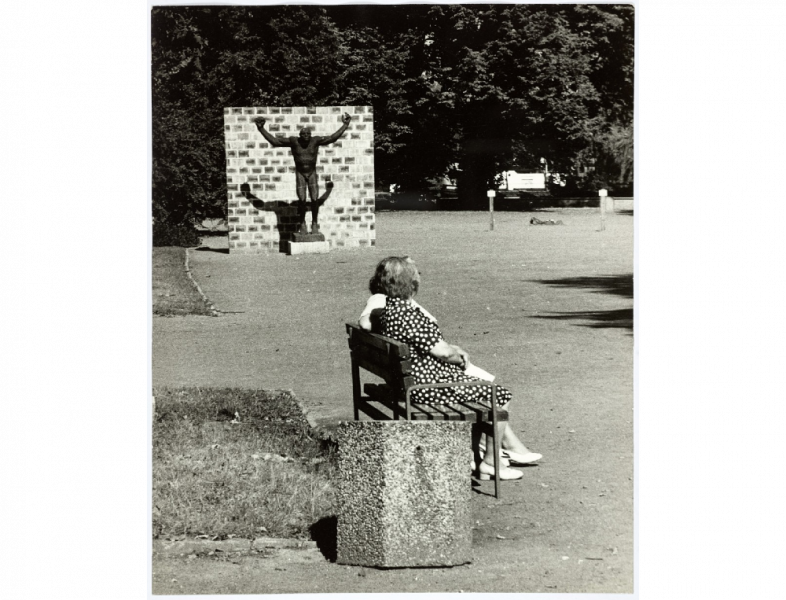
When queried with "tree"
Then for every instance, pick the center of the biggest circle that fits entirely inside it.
(187, 145)
(517, 79)
(614, 165)
(491, 87)
(208, 58)
(386, 60)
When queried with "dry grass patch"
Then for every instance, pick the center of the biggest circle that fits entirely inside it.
(173, 291)
(236, 463)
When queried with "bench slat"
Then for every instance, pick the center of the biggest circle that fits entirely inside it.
(383, 395)
(460, 411)
(388, 403)
(372, 409)
(358, 337)
(390, 377)
(396, 365)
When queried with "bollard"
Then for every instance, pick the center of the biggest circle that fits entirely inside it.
(491, 194)
(603, 194)
(404, 493)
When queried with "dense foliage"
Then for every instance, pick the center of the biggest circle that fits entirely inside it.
(488, 87)
(171, 233)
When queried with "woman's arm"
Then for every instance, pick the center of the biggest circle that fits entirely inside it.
(450, 354)
(371, 321)
(372, 311)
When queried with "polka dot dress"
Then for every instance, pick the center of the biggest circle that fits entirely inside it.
(406, 323)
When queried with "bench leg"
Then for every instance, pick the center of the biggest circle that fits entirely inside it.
(477, 435)
(490, 429)
(356, 389)
(497, 459)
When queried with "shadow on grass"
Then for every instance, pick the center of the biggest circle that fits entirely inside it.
(617, 285)
(219, 250)
(324, 532)
(620, 319)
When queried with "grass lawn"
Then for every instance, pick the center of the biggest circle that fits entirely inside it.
(173, 291)
(236, 463)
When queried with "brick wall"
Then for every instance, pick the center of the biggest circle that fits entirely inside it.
(262, 212)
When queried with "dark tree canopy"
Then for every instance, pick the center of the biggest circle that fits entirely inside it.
(490, 87)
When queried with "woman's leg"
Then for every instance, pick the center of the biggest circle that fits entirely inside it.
(500, 429)
(508, 440)
(499, 433)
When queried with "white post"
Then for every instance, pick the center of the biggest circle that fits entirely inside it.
(603, 193)
(491, 194)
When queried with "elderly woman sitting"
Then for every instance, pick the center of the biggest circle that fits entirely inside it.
(395, 314)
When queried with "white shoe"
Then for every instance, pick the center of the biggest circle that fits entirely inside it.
(514, 457)
(503, 459)
(486, 472)
(522, 459)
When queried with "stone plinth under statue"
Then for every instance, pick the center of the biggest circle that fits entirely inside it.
(307, 243)
(267, 186)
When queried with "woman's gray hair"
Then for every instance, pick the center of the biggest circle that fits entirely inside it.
(396, 277)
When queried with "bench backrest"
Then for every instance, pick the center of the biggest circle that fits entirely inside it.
(383, 356)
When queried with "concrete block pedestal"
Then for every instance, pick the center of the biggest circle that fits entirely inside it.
(294, 248)
(404, 494)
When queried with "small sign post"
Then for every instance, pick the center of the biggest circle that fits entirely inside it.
(491, 194)
(603, 193)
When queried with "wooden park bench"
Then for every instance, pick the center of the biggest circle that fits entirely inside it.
(389, 360)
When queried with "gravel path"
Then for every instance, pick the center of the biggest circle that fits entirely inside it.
(546, 309)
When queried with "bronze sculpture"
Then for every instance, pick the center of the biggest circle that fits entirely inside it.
(305, 149)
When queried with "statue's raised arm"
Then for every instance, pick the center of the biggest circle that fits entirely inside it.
(274, 141)
(334, 137)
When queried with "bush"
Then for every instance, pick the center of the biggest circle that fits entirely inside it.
(181, 234)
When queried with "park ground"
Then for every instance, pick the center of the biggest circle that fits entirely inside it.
(548, 309)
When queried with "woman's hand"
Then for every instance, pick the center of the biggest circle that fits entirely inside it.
(450, 354)
(464, 357)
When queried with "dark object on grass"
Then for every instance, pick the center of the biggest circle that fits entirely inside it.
(225, 415)
(536, 221)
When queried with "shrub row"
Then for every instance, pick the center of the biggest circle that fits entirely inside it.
(169, 234)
